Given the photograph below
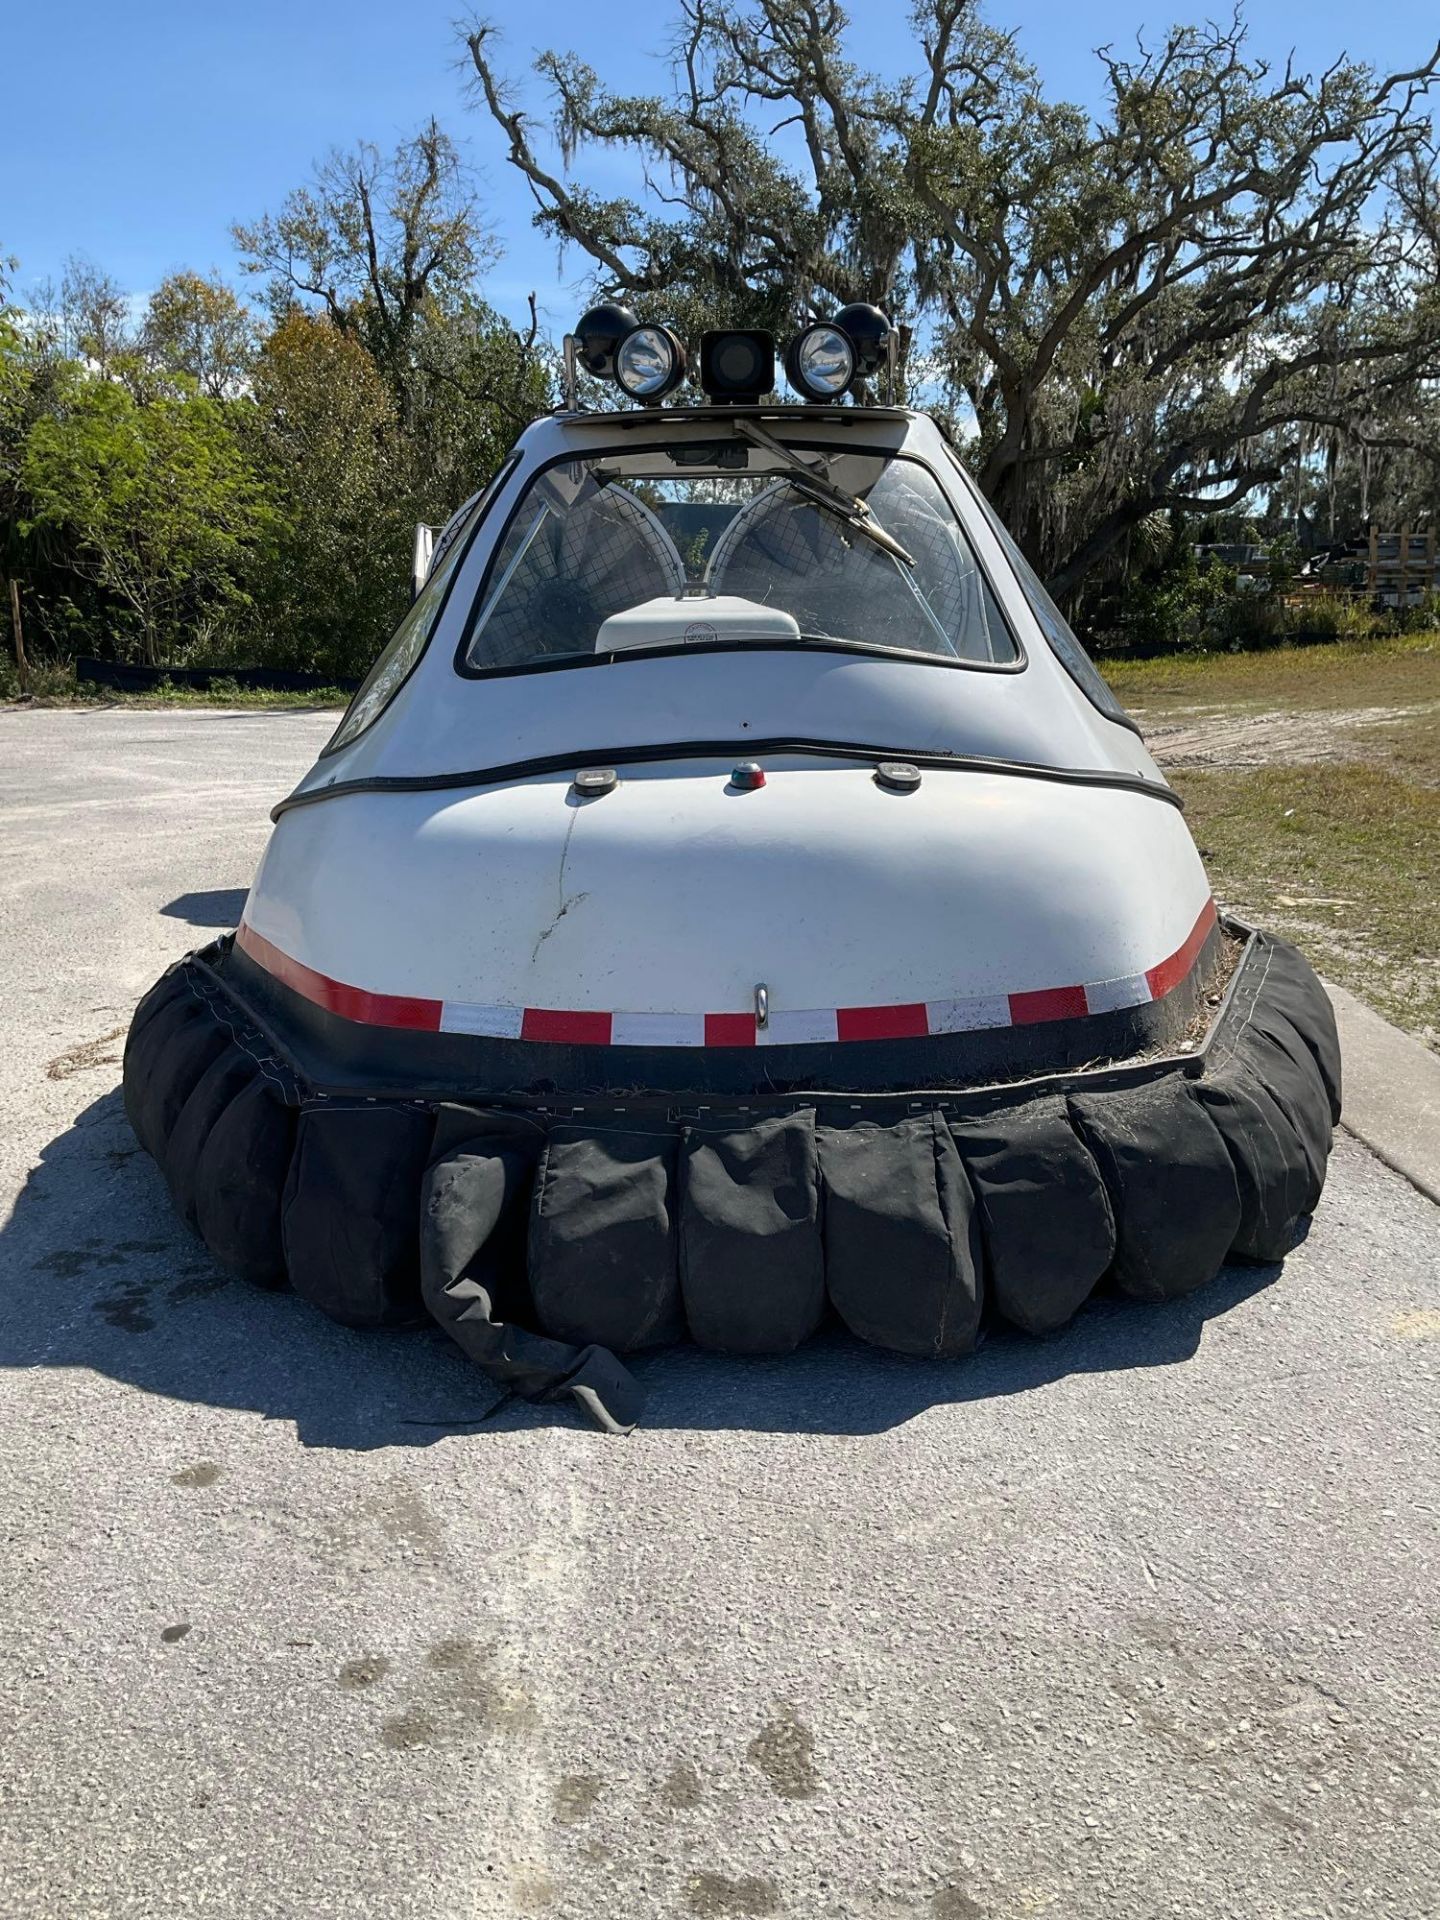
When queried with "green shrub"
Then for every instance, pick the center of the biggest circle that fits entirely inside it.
(1330, 616)
(1423, 617)
(1248, 619)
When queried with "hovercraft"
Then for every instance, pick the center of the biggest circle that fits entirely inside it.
(733, 900)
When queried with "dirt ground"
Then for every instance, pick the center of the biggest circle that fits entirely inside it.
(1219, 738)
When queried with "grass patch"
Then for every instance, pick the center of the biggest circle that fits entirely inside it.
(1342, 860)
(1397, 670)
(1341, 856)
(58, 687)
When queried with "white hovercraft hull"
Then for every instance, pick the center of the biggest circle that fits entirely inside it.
(576, 1074)
(977, 901)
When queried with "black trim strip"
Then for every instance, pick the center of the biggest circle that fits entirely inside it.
(748, 748)
(675, 649)
(977, 1072)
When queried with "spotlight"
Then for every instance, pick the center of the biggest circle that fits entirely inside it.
(869, 332)
(820, 362)
(598, 333)
(736, 368)
(649, 363)
(827, 358)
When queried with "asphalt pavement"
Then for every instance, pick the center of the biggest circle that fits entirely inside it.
(1138, 1623)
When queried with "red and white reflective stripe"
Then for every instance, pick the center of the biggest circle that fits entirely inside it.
(351, 1003)
(786, 1027)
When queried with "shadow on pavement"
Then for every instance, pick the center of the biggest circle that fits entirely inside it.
(216, 907)
(99, 1273)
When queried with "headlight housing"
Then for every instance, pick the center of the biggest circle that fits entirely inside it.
(737, 366)
(598, 334)
(824, 360)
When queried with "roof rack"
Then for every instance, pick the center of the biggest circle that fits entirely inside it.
(710, 416)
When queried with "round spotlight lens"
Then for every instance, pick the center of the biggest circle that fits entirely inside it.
(823, 362)
(648, 363)
(826, 360)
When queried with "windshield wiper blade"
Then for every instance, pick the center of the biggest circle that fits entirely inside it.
(849, 506)
(855, 514)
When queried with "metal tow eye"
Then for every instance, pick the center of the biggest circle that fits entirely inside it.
(762, 1005)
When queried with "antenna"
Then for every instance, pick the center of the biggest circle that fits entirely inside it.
(570, 378)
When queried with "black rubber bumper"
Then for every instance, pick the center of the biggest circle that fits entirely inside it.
(549, 1238)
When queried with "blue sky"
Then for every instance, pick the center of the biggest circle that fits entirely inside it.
(136, 134)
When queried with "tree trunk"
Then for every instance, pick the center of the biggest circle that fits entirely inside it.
(17, 630)
(1063, 580)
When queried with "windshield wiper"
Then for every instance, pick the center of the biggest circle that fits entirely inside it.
(855, 514)
(848, 506)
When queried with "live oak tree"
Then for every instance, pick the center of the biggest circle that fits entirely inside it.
(1161, 307)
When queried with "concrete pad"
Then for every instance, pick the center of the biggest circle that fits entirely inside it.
(1137, 1623)
(1391, 1092)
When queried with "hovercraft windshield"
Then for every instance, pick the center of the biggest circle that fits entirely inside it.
(592, 541)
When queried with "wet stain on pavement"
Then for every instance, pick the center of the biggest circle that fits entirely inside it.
(403, 1732)
(453, 1656)
(204, 1473)
(713, 1893)
(475, 1692)
(462, 1694)
(953, 1903)
(405, 1520)
(574, 1796)
(178, 1632)
(783, 1752)
(681, 1787)
(127, 1308)
(68, 1263)
(128, 1305)
(363, 1672)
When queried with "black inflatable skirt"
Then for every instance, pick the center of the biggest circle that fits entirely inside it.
(550, 1236)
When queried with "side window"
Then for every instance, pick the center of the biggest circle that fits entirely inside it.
(406, 645)
(463, 514)
(1053, 624)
